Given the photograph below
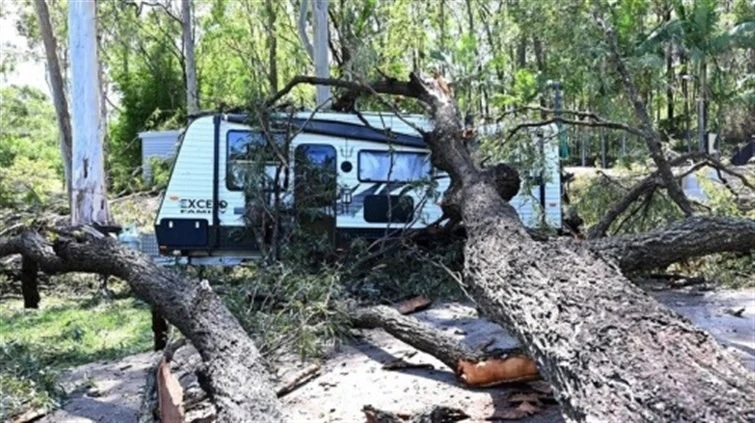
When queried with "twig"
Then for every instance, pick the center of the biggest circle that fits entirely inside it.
(592, 124)
(305, 376)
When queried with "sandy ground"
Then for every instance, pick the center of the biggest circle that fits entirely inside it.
(352, 377)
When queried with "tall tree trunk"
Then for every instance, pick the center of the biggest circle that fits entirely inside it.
(670, 79)
(540, 59)
(442, 25)
(272, 45)
(89, 193)
(685, 93)
(521, 52)
(192, 99)
(322, 68)
(302, 28)
(702, 111)
(58, 90)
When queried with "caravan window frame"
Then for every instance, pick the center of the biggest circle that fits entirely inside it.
(283, 182)
(391, 153)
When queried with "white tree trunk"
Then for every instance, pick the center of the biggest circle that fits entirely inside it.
(57, 86)
(302, 27)
(192, 102)
(322, 69)
(88, 170)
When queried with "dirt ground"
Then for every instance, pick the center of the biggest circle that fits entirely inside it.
(352, 376)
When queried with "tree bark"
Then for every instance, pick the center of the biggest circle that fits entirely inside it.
(232, 372)
(29, 283)
(58, 91)
(192, 99)
(272, 45)
(89, 196)
(322, 67)
(302, 28)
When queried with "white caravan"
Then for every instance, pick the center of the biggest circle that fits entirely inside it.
(378, 163)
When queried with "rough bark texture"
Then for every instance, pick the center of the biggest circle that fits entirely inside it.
(692, 237)
(192, 100)
(58, 90)
(89, 196)
(434, 414)
(232, 372)
(610, 351)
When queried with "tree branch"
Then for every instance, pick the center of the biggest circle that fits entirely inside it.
(634, 193)
(232, 373)
(688, 238)
(651, 136)
(592, 124)
(393, 86)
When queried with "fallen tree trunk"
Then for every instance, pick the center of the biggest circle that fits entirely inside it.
(232, 372)
(610, 351)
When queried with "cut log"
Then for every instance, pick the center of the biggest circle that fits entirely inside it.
(474, 368)
(232, 372)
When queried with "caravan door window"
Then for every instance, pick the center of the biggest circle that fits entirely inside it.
(247, 149)
(386, 166)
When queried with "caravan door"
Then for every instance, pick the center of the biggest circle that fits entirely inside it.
(245, 170)
(315, 189)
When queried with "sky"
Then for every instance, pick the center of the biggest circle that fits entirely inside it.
(27, 72)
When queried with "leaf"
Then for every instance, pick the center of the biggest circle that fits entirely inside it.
(532, 397)
(528, 408)
(522, 410)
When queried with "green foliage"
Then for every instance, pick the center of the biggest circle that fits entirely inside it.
(285, 305)
(36, 344)
(30, 163)
(591, 197)
(25, 382)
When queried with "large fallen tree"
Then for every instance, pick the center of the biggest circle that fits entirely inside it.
(611, 352)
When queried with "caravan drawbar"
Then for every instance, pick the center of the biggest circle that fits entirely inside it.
(379, 163)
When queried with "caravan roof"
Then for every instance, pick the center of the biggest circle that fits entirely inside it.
(383, 127)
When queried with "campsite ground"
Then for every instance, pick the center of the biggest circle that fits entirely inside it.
(352, 376)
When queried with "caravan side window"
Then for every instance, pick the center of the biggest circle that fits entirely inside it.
(386, 166)
(244, 150)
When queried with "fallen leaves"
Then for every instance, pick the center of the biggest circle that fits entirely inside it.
(523, 404)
